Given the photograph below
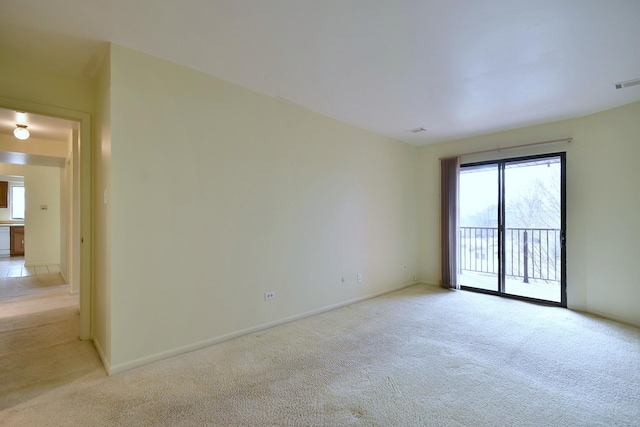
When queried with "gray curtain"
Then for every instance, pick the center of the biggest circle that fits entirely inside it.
(449, 172)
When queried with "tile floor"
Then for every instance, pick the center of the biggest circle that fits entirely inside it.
(14, 267)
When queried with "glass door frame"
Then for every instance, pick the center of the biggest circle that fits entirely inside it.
(501, 164)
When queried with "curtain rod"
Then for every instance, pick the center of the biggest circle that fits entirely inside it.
(497, 150)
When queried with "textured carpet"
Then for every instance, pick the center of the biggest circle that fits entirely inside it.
(18, 287)
(40, 349)
(421, 356)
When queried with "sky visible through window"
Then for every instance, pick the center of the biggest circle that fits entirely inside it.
(17, 202)
(531, 240)
(532, 189)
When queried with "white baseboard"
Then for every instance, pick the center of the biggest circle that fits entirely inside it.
(41, 263)
(607, 316)
(423, 282)
(103, 358)
(115, 369)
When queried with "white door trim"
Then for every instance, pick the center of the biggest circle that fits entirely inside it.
(83, 240)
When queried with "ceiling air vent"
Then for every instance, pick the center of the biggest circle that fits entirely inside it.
(628, 83)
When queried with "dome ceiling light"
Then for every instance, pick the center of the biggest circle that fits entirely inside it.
(21, 132)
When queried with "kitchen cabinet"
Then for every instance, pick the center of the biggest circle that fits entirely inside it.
(17, 240)
(4, 194)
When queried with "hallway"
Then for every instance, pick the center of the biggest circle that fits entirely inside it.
(21, 293)
(14, 267)
(40, 347)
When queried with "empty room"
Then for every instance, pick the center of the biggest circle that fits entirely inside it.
(297, 213)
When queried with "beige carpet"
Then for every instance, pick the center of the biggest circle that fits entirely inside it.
(417, 357)
(39, 346)
(18, 287)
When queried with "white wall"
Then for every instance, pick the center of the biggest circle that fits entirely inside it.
(65, 214)
(603, 205)
(101, 304)
(610, 210)
(271, 198)
(42, 228)
(74, 233)
(20, 80)
(40, 147)
(69, 216)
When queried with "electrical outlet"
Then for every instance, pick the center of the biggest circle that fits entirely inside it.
(359, 277)
(269, 295)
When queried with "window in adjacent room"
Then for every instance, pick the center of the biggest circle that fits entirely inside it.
(16, 194)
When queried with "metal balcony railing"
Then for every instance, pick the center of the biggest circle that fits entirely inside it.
(530, 253)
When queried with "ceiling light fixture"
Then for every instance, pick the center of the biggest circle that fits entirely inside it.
(21, 132)
(628, 83)
(21, 117)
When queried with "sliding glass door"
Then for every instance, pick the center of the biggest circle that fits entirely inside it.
(478, 256)
(512, 228)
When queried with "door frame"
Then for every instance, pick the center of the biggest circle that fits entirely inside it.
(81, 236)
(501, 228)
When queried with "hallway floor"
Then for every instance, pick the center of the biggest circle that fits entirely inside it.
(14, 267)
(40, 349)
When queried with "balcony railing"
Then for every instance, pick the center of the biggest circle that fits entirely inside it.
(531, 253)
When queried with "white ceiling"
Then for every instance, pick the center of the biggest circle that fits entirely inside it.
(455, 67)
(43, 127)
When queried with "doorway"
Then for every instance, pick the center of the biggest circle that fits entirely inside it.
(78, 228)
(512, 228)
